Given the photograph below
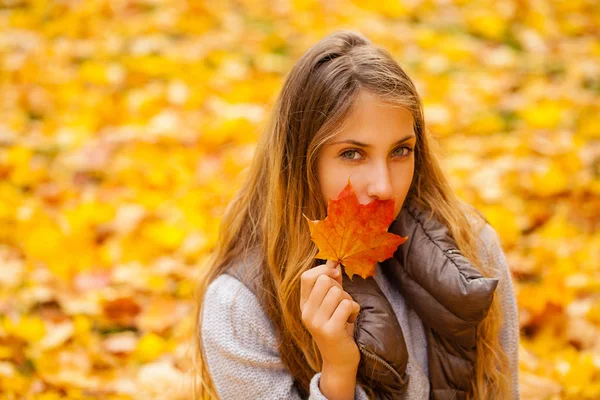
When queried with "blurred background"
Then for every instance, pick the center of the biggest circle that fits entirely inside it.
(125, 125)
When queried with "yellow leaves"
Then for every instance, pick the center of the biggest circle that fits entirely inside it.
(486, 123)
(49, 396)
(67, 367)
(150, 347)
(588, 123)
(125, 129)
(121, 310)
(537, 18)
(40, 239)
(28, 328)
(57, 335)
(594, 314)
(533, 386)
(44, 239)
(230, 128)
(13, 271)
(389, 8)
(94, 73)
(305, 5)
(160, 377)
(439, 117)
(88, 214)
(19, 156)
(582, 334)
(120, 343)
(457, 48)
(549, 180)
(543, 114)
(160, 314)
(426, 37)
(14, 383)
(186, 288)
(151, 65)
(557, 228)
(82, 328)
(156, 284)
(161, 233)
(6, 352)
(579, 375)
(504, 222)
(548, 341)
(486, 21)
(23, 170)
(540, 298)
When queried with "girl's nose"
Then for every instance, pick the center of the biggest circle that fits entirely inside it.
(380, 184)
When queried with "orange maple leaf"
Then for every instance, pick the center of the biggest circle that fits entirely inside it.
(355, 234)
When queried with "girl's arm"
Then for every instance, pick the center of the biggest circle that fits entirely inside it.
(241, 350)
(509, 334)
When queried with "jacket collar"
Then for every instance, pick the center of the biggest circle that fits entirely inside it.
(448, 293)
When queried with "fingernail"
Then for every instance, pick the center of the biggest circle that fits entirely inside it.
(336, 272)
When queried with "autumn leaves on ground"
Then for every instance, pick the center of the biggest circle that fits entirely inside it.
(124, 126)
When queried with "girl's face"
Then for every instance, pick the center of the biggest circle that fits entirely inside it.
(375, 150)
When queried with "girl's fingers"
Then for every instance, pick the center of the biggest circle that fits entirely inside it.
(343, 312)
(331, 301)
(337, 275)
(309, 278)
(320, 290)
(354, 314)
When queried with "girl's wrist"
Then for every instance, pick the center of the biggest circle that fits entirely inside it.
(341, 369)
(338, 382)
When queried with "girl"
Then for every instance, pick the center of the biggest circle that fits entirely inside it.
(346, 111)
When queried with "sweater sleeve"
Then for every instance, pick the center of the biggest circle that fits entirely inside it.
(240, 347)
(509, 334)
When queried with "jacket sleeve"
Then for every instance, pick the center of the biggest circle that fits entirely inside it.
(509, 334)
(240, 347)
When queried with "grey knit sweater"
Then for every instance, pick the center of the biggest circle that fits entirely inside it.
(240, 346)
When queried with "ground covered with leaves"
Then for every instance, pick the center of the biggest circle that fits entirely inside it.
(124, 126)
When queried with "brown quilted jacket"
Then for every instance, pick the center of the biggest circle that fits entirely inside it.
(447, 292)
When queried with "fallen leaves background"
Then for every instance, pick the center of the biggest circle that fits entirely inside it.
(124, 123)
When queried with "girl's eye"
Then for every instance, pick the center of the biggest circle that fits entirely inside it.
(349, 154)
(408, 150)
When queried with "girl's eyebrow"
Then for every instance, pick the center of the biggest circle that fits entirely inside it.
(356, 143)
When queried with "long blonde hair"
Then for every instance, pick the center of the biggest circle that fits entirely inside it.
(265, 216)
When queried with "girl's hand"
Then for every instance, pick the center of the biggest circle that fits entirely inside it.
(329, 313)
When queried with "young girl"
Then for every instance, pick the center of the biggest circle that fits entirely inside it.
(285, 327)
